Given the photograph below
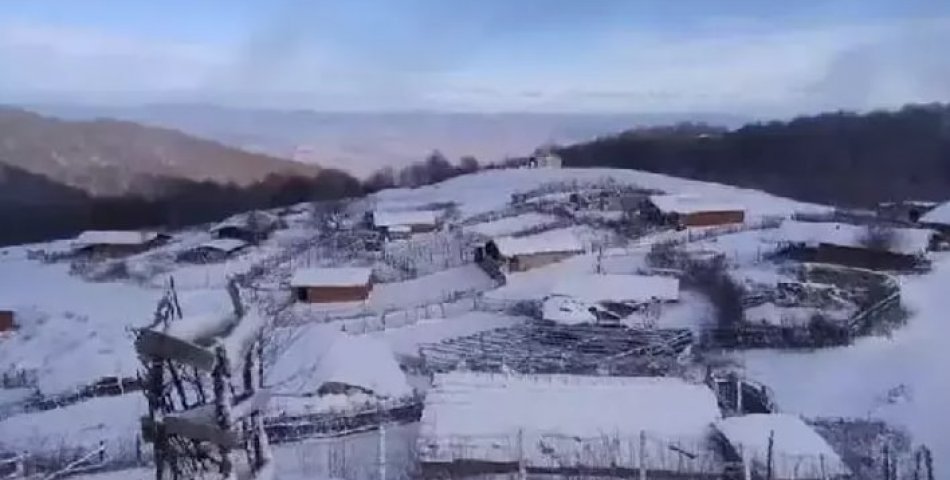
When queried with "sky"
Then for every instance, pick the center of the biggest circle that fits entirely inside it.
(749, 57)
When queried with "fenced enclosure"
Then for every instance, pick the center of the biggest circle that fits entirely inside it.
(551, 348)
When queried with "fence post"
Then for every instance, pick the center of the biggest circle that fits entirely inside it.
(738, 395)
(821, 464)
(522, 466)
(642, 456)
(382, 448)
(768, 460)
(746, 464)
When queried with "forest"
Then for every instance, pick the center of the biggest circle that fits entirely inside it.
(842, 158)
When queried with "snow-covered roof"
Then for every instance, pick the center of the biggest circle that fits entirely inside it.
(114, 237)
(685, 204)
(548, 242)
(566, 310)
(263, 220)
(798, 451)
(938, 216)
(595, 288)
(331, 277)
(908, 241)
(320, 355)
(388, 218)
(226, 245)
(555, 416)
(399, 229)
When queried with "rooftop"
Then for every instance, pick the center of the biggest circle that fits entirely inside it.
(938, 216)
(686, 204)
(331, 277)
(226, 245)
(798, 451)
(595, 288)
(114, 237)
(384, 218)
(548, 242)
(907, 241)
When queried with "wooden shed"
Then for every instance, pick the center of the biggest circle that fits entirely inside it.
(332, 285)
(399, 222)
(6, 319)
(517, 254)
(693, 211)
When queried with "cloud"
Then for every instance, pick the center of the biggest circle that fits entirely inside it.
(341, 60)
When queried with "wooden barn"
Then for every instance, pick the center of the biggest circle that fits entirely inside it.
(251, 227)
(517, 254)
(112, 243)
(854, 245)
(401, 223)
(332, 285)
(691, 211)
(7, 319)
(212, 251)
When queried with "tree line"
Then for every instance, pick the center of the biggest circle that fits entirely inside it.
(840, 158)
(40, 209)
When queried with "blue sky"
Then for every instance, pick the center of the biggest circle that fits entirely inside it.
(741, 56)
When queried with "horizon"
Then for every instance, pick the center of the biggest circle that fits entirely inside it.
(737, 57)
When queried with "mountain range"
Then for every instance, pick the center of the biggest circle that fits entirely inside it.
(112, 158)
(362, 142)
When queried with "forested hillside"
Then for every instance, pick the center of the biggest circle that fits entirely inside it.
(840, 158)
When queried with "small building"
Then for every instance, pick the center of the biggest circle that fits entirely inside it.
(397, 222)
(905, 211)
(594, 288)
(251, 227)
(798, 452)
(7, 319)
(481, 423)
(691, 211)
(517, 254)
(109, 243)
(212, 251)
(332, 285)
(874, 248)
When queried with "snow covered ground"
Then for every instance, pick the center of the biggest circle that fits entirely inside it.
(512, 225)
(898, 379)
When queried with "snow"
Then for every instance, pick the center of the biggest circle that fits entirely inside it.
(384, 218)
(908, 241)
(331, 277)
(264, 221)
(226, 245)
(798, 451)
(200, 327)
(938, 216)
(114, 420)
(593, 288)
(552, 241)
(486, 411)
(114, 237)
(567, 311)
(894, 378)
(358, 360)
(512, 225)
(406, 340)
(686, 203)
(773, 314)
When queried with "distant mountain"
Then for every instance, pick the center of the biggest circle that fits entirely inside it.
(838, 158)
(112, 158)
(361, 143)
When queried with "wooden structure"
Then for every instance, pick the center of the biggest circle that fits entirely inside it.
(113, 243)
(203, 381)
(331, 285)
(251, 227)
(212, 251)
(691, 211)
(517, 254)
(6, 319)
(398, 222)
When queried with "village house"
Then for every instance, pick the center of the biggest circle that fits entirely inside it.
(251, 227)
(400, 224)
(779, 446)
(517, 254)
(884, 248)
(691, 211)
(111, 243)
(6, 319)
(212, 251)
(332, 285)
(654, 426)
(906, 211)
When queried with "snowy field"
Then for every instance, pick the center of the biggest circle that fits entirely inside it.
(512, 225)
(898, 379)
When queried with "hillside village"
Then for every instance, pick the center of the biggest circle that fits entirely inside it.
(530, 322)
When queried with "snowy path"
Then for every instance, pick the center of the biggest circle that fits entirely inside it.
(901, 379)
